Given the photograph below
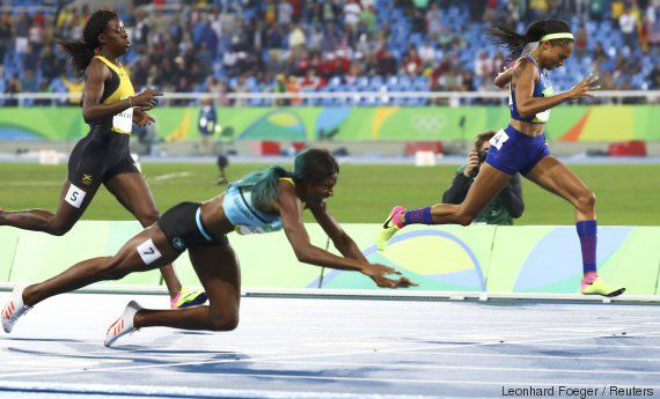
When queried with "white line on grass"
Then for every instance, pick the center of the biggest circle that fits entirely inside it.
(169, 176)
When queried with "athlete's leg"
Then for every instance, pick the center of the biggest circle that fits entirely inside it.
(485, 188)
(147, 250)
(72, 204)
(555, 177)
(218, 270)
(132, 191)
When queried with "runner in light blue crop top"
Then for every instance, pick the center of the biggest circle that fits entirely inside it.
(243, 214)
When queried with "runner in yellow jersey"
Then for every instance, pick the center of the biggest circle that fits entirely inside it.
(110, 107)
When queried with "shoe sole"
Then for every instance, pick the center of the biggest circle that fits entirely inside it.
(197, 301)
(616, 293)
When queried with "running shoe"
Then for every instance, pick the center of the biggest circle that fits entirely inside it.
(390, 227)
(14, 309)
(187, 298)
(594, 285)
(123, 325)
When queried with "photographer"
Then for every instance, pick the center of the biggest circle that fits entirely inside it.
(508, 205)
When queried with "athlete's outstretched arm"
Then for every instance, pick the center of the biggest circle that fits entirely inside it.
(528, 105)
(342, 241)
(290, 210)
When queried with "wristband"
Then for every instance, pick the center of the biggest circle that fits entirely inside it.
(130, 101)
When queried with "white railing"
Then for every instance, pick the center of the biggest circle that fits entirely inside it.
(349, 97)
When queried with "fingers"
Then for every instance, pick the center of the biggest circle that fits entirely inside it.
(405, 283)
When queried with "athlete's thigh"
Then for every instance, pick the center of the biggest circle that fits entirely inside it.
(133, 192)
(147, 250)
(72, 203)
(218, 270)
(485, 188)
(557, 178)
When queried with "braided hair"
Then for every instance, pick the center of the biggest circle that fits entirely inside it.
(82, 51)
(516, 43)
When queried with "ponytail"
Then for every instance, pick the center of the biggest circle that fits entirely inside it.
(264, 186)
(82, 51)
(516, 43)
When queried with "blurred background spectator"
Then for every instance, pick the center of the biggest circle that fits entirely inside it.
(250, 46)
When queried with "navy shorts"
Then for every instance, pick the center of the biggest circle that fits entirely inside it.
(182, 226)
(512, 151)
(98, 157)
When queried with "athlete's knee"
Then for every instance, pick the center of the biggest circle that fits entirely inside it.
(225, 322)
(586, 200)
(148, 217)
(465, 218)
(58, 228)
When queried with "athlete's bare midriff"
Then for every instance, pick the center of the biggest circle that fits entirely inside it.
(214, 218)
(529, 129)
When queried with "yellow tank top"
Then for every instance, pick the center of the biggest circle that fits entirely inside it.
(119, 88)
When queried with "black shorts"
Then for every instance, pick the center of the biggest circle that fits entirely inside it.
(183, 229)
(98, 157)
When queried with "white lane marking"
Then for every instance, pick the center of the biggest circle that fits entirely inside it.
(187, 392)
(292, 357)
(550, 357)
(631, 346)
(435, 381)
(346, 367)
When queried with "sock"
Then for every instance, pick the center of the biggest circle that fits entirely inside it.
(587, 232)
(421, 215)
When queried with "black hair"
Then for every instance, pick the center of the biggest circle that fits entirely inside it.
(314, 165)
(82, 51)
(501, 34)
(310, 166)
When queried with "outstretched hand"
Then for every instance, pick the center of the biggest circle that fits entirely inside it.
(584, 88)
(147, 99)
(142, 118)
(377, 273)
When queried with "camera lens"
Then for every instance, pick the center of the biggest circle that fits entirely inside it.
(483, 154)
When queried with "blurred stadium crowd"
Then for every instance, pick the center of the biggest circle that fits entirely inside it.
(241, 46)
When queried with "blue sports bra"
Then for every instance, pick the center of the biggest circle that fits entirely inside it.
(543, 88)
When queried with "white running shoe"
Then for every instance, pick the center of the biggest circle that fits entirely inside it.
(123, 325)
(14, 309)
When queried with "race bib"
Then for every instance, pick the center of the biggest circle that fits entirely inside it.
(75, 196)
(148, 252)
(500, 138)
(123, 121)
